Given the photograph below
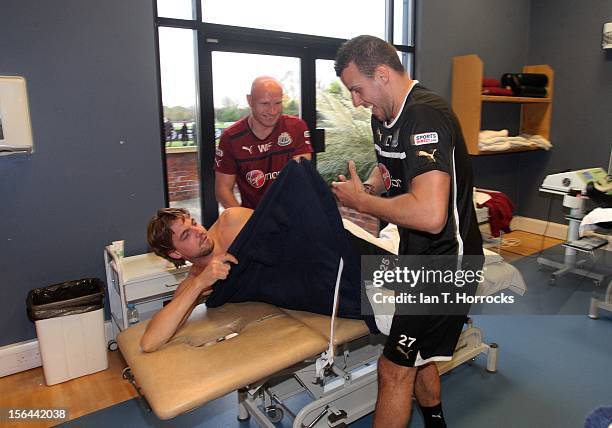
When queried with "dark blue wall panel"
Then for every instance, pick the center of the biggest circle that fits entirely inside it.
(90, 69)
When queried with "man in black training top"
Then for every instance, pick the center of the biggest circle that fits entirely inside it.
(424, 170)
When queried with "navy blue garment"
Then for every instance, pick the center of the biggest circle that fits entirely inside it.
(290, 249)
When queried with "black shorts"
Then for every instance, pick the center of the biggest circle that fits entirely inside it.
(415, 340)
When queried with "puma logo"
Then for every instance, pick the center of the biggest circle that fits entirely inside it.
(405, 353)
(248, 149)
(439, 416)
(427, 154)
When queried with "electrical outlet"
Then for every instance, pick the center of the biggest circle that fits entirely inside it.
(22, 358)
(28, 359)
(36, 359)
(19, 357)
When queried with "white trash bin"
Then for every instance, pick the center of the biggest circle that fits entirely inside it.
(72, 346)
(69, 321)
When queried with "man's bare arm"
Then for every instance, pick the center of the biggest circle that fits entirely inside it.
(170, 318)
(224, 190)
(425, 208)
(231, 221)
(374, 184)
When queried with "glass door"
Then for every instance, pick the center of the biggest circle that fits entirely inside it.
(348, 135)
(180, 123)
(233, 74)
(238, 42)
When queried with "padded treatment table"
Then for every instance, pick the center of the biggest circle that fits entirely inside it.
(195, 367)
(269, 354)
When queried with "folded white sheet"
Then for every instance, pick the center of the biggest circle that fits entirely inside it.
(598, 215)
(538, 140)
(494, 141)
(487, 134)
(498, 274)
(481, 197)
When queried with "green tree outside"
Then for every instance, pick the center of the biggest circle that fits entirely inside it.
(348, 134)
(348, 131)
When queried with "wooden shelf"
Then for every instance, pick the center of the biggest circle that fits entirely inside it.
(519, 100)
(514, 150)
(467, 102)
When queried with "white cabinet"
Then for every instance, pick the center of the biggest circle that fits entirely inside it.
(145, 280)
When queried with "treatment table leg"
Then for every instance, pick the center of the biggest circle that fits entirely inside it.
(243, 413)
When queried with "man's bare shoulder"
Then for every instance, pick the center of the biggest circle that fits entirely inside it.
(235, 216)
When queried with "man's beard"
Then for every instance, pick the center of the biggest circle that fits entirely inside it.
(207, 251)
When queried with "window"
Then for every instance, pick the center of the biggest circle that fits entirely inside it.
(403, 17)
(210, 51)
(338, 18)
(233, 74)
(348, 133)
(179, 9)
(348, 136)
(178, 84)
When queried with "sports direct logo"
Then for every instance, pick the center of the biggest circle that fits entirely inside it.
(257, 178)
(426, 138)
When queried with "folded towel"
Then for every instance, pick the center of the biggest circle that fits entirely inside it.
(488, 134)
(497, 141)
(502, 147)
(500, 144)
(490, 82)
(595, 218)
(514, 141)
(480, 197)
(497, 91)
(538, 140)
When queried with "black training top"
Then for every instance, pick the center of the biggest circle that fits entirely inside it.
(427, 136)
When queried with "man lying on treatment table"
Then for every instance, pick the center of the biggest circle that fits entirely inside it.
(174, 235)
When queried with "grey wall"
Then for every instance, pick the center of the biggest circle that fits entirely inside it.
(90, 69)
(565, 34)
(498, 32)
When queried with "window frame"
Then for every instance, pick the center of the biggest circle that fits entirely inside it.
(226, 38)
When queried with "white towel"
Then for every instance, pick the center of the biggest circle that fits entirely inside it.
(598, 215)
(483, 135)
(538, 140)
(499, 141)
(480, 197)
